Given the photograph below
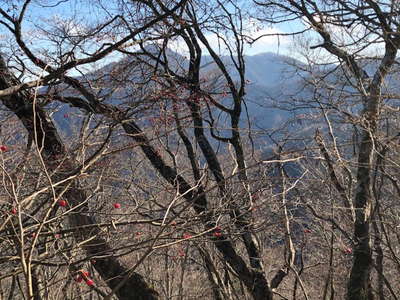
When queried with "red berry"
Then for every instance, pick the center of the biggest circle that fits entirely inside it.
(348, 251)
(218, 234)
(117, 205)
(3, 148)
(85, 274)
(14, 211)
(186, 236)
(89, 282)
(62, 203)
(78, 278)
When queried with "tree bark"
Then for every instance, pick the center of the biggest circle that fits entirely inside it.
(359, 285)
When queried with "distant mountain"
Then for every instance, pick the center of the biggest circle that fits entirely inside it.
(273, 80)
(270, 69)
(275, 85)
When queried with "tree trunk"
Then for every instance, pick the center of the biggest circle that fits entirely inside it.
(359, 285)
(109, 268)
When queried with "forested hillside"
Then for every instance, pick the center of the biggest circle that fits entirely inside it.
(146, 153)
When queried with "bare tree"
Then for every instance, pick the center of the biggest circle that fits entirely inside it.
(141, 177)
(347, 30)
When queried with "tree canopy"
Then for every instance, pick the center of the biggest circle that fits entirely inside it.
(135, 165)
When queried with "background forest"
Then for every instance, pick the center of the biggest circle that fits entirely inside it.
(144, 155)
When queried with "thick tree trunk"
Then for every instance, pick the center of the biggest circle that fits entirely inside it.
(359, 285)
(254, 280)
(109, 268)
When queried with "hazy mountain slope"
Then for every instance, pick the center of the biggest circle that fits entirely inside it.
(272, 81)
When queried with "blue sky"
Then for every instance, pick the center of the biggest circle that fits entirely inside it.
(88, 12)
(83, 13)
